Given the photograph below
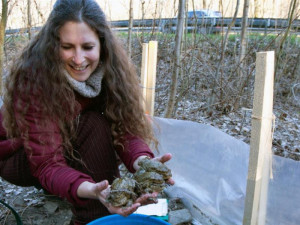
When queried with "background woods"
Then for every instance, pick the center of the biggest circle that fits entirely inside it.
(202, 76)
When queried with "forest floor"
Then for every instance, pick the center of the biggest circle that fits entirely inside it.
(35, 207)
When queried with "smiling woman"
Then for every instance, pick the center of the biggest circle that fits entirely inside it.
(79, 50)
(72, 106)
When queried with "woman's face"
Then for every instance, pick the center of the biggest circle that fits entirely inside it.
(79, 49)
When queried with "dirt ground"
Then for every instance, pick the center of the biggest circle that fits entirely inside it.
(34, 206)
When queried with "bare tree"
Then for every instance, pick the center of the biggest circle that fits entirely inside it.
(29, 25)
(143, 16)
(243, 50)
(177, 55)
(130, 27)
(273, 8)
(221, 6)
(174, 7)
(219, 75)
(291, 17)
(224, 43)
(37, 8)
(204, 4)
(185, 73)
(3, 22)
(5, 12)
(243, 41)
(257, 4)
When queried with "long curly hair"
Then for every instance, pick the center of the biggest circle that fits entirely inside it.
(37, 74)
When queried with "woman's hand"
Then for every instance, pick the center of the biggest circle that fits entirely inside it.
(164, 158)
(142, 200)
(101, 190)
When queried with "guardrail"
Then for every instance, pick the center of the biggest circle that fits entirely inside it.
(165, 24)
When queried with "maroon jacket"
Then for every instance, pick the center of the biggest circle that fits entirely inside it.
(47, 162)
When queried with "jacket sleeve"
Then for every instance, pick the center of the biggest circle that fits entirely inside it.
(7, 146)
(45, 155)
(133, 148)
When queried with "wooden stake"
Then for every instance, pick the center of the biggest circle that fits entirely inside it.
(148, 76)
(144, 70)
(261, 141)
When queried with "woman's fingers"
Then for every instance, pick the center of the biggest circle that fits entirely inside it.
(146, 199)
(170, 181)
(143, 200)
(130, 210)
(102, 190)
(102, 185)
(123, 211)
(164, 158)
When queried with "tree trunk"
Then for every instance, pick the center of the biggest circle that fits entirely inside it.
(212, 98)
(130, 28)
(243, 41)
(292, 10)
(257, 8)
(204, 4)
(29, 18)
(176, 64)
(221, 6)
(243, 50)
(2, 39)
(274, 9)
(244, 34)
(143, 16)
(37, 8)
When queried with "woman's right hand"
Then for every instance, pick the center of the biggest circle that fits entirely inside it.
(101, 190)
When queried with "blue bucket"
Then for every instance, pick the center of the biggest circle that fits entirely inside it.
(133, 219)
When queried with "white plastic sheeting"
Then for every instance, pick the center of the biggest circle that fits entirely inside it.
(210, 170)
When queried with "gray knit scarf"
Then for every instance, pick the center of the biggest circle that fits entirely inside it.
(89, 88)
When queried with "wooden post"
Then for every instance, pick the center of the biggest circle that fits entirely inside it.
(260, 157)
(148, 76)
(144, 70)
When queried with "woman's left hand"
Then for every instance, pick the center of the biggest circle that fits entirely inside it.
(164, 158)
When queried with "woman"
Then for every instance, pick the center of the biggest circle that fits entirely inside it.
(73, 101)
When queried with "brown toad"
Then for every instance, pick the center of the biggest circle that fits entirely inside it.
(122, 193)
(149, 182)
(155, 166)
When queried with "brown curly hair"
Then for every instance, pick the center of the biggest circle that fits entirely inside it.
(37, 74)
